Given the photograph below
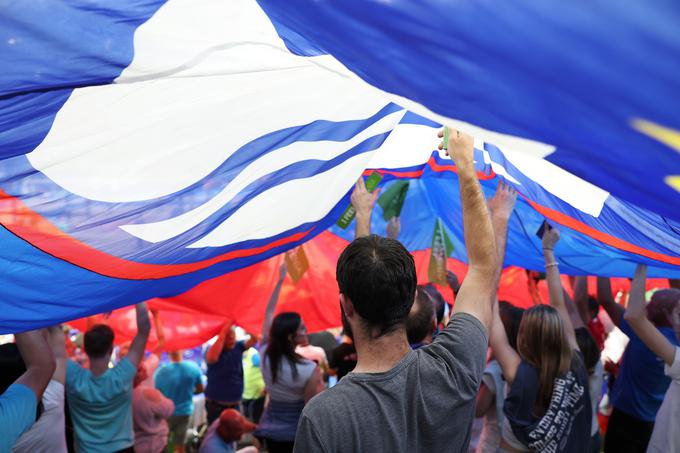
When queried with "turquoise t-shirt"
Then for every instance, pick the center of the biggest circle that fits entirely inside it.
(17, 412)
(101, 407)
(177, 381)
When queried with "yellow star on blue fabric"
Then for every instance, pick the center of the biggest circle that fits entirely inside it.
(665, 135)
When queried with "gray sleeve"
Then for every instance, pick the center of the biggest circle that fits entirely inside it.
(463, 345)
(307, 438)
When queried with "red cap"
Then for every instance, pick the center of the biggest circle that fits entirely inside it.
(233, 425)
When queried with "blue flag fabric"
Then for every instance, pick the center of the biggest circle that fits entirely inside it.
(596, 84)
(148, 146)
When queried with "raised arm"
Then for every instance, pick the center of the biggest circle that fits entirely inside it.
(213, 354)
(555, 290)
(574, 315)
(507, 357)
(160, 333)
(478, 291)
(271, 305)
(40, 364)
(363, 201)
(57, 342)
(636, 315)
(139, 342)
(501, 206)
(605, 298)
(581, 298)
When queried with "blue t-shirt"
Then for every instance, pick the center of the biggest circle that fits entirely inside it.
(17, 412)
(225, 377)
(213, 443)
(101, 407)
(641, 385)
(177, 381)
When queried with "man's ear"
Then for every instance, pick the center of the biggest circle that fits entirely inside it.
(347, 306)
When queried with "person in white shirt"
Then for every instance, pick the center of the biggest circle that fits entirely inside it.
(666, 435)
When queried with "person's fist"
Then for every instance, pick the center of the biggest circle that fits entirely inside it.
(460, 147)
(362, 200)
(550, 237)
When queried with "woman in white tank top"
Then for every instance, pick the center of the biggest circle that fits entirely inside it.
(290, 379)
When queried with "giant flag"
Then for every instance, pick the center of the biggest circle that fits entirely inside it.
(591, 87)
(146, 147)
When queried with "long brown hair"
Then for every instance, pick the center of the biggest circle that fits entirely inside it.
(543, 343)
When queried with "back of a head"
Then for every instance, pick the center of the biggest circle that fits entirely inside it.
(281, 341)
(176, 356)
(542, 342)
(98, 341)
(232, 425)
(421, 318)
(378, 276)
(661, 306)
(511, 317)
(588, 346)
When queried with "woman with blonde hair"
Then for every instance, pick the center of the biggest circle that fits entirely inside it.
(548, 405)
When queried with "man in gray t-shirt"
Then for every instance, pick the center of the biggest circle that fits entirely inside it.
(398, 399)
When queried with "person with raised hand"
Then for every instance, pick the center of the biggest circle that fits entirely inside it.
(48, 432)
(398, 399)
(641, 384)
(225, 371)
(290, 379)
(492, 391)
(548, 405)
(100, 399)
(26, 369)
(666, 435)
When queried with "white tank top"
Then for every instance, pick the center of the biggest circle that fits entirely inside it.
(286, 389)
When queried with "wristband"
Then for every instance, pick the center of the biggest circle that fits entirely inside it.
(553, 264)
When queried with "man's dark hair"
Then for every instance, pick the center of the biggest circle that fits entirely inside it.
(98, 341)
(661, 306)
(419, 320)
(438, 299)
(511, 317)
(378, 275)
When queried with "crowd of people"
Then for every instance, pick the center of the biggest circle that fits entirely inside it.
(413, 374)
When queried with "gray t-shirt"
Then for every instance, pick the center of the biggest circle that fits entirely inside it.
(425, 403)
